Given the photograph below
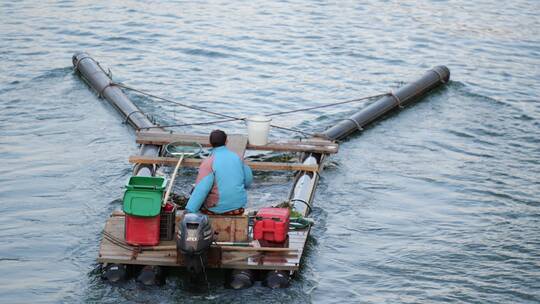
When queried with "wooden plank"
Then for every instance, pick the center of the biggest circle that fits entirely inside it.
(268, 258)
(298, 146)
(194, 163)
(260, 261)
(291, 251)
(237, 144)
(229, 228)
(309, 145)
(257, 249)
(161, 138)
(124, 260)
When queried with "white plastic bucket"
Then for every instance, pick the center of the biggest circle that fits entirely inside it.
(258, 128)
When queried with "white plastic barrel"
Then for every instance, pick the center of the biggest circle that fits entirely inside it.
(258, 128)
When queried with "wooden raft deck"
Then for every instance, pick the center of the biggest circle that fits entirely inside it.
(255, 257)
(219, 256)
(238, 144)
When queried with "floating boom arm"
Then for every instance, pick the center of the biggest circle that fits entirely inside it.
(97, 79)
(433, 78)
(305, 183)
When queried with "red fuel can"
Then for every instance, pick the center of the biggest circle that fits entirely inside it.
(272, 224)
(142, 231)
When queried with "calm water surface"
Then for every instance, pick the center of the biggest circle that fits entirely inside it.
(437, 203)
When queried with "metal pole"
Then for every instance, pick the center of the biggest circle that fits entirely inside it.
(433, 78)
(102, 83)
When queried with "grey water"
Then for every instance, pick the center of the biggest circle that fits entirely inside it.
(437, 202)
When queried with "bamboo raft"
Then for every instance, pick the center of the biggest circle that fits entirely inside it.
(252, 256)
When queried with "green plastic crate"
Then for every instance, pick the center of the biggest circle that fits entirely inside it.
(143, 195)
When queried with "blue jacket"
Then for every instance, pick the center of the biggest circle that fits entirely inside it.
(221, 183)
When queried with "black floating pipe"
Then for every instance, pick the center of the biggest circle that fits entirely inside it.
(277, 279)
(433, 78)
(101, 82)
(151, 275)
(115, 273)
(241, 279)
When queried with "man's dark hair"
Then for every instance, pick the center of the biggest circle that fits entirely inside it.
(218, 138)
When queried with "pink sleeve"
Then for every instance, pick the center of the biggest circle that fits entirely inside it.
(205, 168)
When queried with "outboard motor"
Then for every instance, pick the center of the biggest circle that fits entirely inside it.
(195, 235)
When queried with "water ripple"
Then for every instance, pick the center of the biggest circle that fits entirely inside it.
(439, 202)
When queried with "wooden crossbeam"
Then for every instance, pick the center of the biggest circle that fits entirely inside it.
(222, 256)
(309, 145)
(194, 163)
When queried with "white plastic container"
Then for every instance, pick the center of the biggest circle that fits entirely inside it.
(258, 128)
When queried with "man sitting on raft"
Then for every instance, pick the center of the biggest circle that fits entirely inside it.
(221, 184)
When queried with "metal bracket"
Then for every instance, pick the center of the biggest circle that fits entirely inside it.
(79, 61)
(129, 115)
(440, 76)
(396, 98)
(100, 93)
(358, 126)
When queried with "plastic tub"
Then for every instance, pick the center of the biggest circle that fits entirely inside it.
(143, 195)
(146, 182)
(142, 231)
(272, 224)
(258, 128)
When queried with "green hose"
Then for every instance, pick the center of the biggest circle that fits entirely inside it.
(300, 223)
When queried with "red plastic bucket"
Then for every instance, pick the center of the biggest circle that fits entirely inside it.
(142, 231)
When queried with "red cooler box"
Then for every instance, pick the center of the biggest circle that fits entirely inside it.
(142, 231)
(272, 224)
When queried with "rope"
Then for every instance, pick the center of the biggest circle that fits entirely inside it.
(396, 98)
(176, 103)
(328, 105)
(191, 124)
(100, 93)
(109, 74)
(308, 205)
(79, 61)
(129, 115)
(358, 126)
(212, 122)
(231, 118)
(307, 134)
(118, 242)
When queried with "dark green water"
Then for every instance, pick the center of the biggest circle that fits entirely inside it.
(437, 203)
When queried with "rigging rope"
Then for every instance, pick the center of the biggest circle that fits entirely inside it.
(230, 118)
(327, 105)
(174, 102)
